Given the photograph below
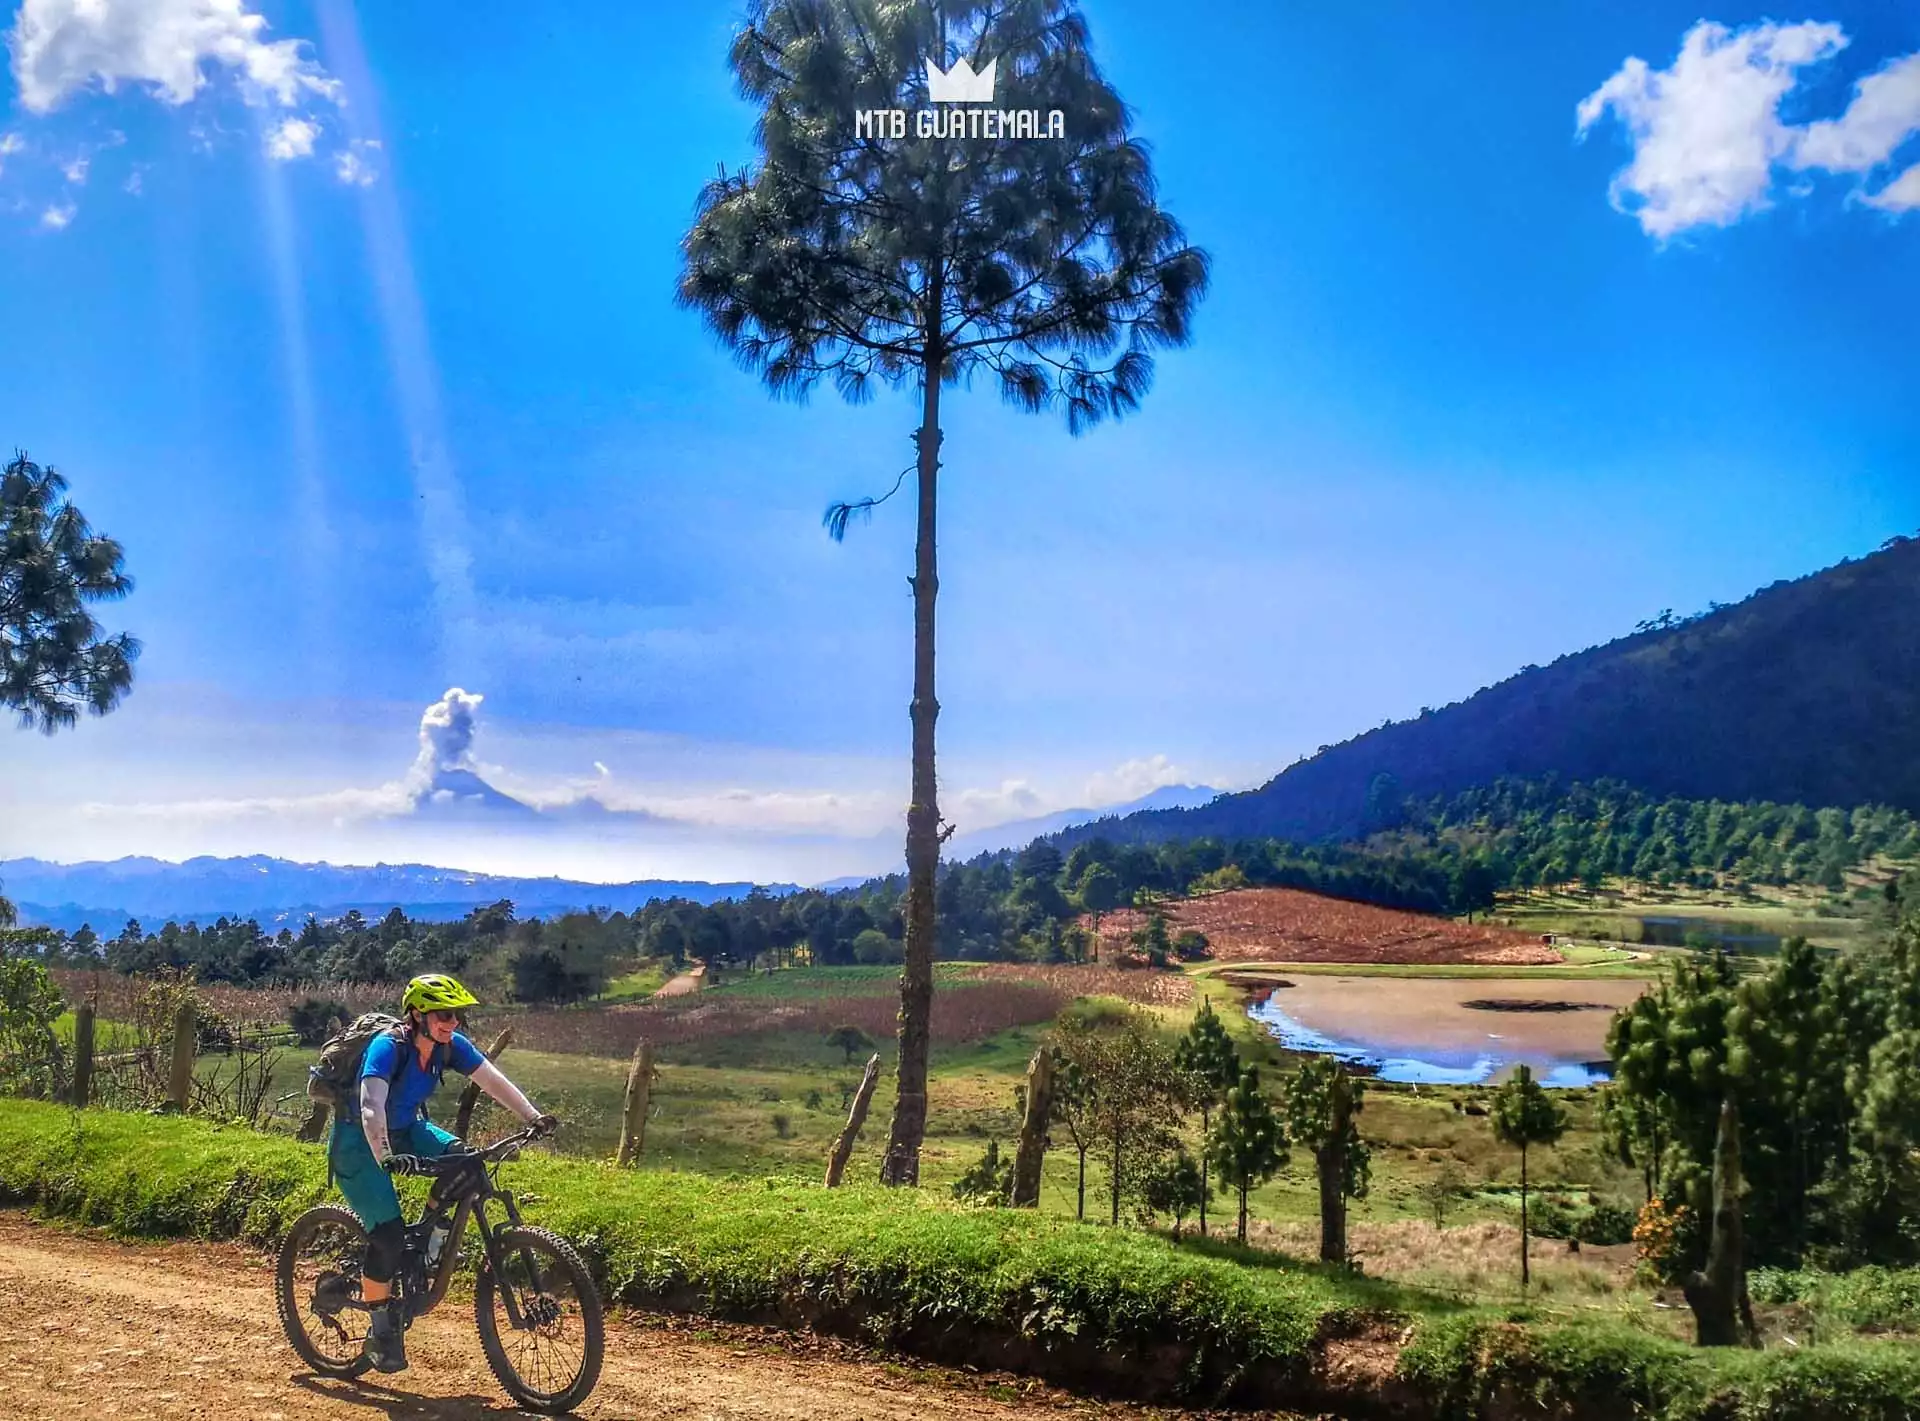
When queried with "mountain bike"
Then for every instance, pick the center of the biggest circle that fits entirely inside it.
(548, 1352)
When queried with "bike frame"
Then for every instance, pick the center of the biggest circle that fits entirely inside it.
(472, 1207)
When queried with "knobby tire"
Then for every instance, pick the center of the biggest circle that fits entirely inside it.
(291, 1294)
(557, 1261)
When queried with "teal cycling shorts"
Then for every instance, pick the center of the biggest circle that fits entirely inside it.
(368, 1187)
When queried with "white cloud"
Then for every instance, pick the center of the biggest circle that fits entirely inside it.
(336, 806)
(291, 138)
(57, 217)
(351, 165)
(1707, 134)
(1900, 195)
(1007, 801)
(60, 47)
(136, 181)
(76, 171)
(1885, 112)
(1130, 781)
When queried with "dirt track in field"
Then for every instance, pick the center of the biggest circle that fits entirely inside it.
(92, 1328)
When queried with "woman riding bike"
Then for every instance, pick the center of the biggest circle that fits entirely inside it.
(390, 1132)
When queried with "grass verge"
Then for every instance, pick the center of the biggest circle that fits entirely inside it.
(1107, 1311)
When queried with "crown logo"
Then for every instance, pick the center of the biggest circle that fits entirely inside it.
(960, 85)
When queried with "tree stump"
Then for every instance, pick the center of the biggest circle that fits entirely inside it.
(1030, 1153)
(1722, 1310)
(185, 1031)
(633, 1118)
(856, 1117)
(316, 1121)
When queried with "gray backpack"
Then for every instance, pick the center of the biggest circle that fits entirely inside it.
(334, 1079)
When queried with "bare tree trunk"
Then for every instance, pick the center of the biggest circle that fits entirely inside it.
(1525, 1272)
(1030, 1154)
(856, 1117)
(1718, 1293)
(1203, 1171)
(633, 1116)
(1243, 1210)
(1331, 1160)
(1116, 1176)
(180, 1081)
(83, 1053)
(470, 1097)
(1080, 1209)
(909, 1128)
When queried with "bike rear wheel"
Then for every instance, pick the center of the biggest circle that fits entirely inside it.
(317, 1290)
(552, 1361)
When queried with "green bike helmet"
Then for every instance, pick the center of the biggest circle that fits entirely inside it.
(435, 991)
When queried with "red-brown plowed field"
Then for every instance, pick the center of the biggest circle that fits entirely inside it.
(1288, 925)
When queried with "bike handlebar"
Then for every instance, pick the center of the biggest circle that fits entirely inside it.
(454, 1161)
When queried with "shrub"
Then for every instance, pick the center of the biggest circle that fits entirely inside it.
(1660, 1234)
(873, 948)
(32, 1062)
(1550, 1218)
(1191, 946)
(782, 1124)
(1606, 1224)
(310, 1017)
(989, 1180)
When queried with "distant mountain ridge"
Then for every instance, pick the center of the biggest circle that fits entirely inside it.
(1018, 833)
(275, 890)
(1021, 832)
(1806, 692)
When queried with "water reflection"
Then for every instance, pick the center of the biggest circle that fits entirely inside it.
(1421, 1063)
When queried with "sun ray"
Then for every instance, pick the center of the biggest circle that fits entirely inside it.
(443, 524)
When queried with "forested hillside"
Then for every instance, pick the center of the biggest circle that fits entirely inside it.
(1807, 692)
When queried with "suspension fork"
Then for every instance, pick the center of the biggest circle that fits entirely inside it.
(488, 1235)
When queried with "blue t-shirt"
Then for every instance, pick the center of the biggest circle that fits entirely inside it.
(406, 1095)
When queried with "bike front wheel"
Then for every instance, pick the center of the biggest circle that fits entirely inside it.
(551, 1360)
(317, 1290)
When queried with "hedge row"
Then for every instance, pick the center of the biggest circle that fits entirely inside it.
(1116, 1312)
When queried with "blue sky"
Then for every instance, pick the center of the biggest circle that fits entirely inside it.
(355, 325)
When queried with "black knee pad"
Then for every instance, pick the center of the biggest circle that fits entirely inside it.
(384, 1246)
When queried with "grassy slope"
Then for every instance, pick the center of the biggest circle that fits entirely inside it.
(1110, 1309)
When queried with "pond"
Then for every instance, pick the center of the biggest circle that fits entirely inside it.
(1444, 1031)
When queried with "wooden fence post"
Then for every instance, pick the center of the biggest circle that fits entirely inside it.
(470, 1097)
(1032, 1149)
(185, 1030)
(856, 1117)
(633, 1119)
(316, 1120)
(83, 1053)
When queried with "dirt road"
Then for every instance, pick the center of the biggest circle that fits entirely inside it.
(685, 985)
(91, 1328)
